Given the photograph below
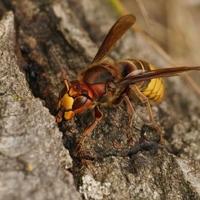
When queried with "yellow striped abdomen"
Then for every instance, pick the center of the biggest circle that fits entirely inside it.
(155, 89)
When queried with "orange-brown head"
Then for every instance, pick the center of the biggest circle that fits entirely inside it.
(75, 98)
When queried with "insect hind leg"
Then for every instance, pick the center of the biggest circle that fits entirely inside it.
(152, 121)
(130, 109)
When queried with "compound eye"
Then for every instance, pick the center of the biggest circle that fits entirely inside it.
(79, 102)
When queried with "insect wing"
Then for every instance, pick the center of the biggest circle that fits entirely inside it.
(157, 73)
(115, 33)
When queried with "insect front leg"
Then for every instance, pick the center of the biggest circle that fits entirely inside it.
(145, 101)
(88, 131)
(59, 115)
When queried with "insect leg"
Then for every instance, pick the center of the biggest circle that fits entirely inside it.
(130, 109)
(88, 131)
(59, 117)
(145, 101)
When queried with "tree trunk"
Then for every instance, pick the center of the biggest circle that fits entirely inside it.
(47, 38)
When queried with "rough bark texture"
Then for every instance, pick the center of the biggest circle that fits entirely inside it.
(33, 160)
(59, 34)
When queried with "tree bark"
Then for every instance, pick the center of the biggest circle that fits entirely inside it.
(47, 38)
